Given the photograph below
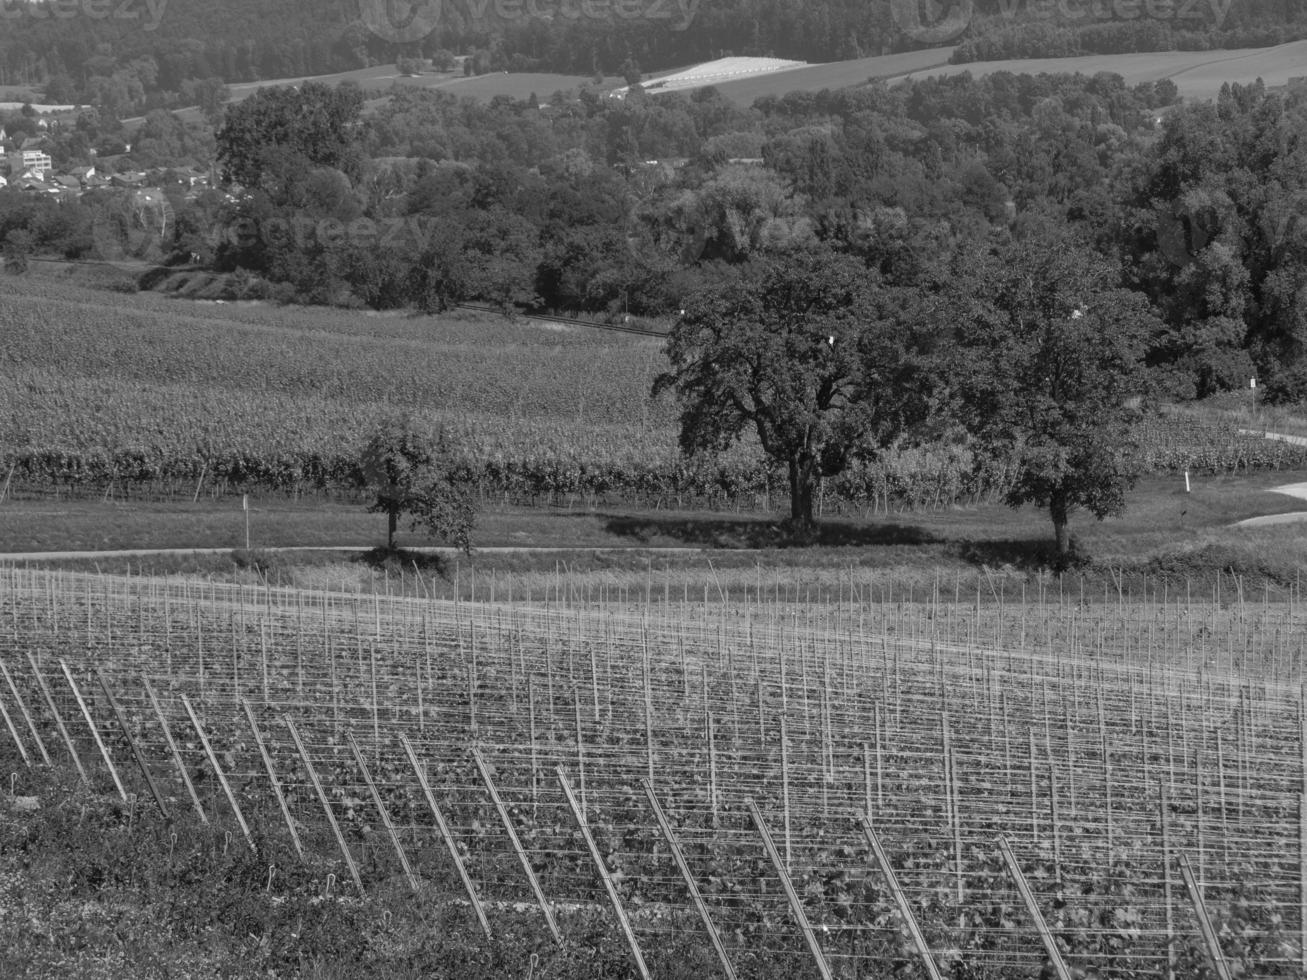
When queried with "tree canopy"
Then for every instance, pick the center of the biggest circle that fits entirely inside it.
(280, 131)
(408, 472)
(800, 351)
(1048, 366)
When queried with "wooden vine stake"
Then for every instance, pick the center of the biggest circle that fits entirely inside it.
(383, 812)
(326, 804)
(785, 784)
(222, 777)
(13, 732)
(900, 899)
(1166, 880)
(951, 807)
(58, 719)
(1027, 896)
(94, 731)
(445, 834)
(272, 778)
(1210, 941)
(607, 878)
(683, 866)
(795, 905)
(517, 846)
(176, 753)
(1302, 878)
(136, 749)
(27, 717)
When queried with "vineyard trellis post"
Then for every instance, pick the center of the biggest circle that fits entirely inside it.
(1302, 879)
(27, 716)
(604, 874)
(272, 778)
(447, 836)
(900, 898)
(95, 731)
(504, 817)
(131, 742)
(58, 719)
(381, 809)
(326, 804)
(678, 855)
(1027, 896)
(13, 732)
(796, 906)
(222, 777)
(176, 753)
(1166, 879)
(1210, 940)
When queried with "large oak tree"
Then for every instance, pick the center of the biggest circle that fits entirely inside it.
(801, 349)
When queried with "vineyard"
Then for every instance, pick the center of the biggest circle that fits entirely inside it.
(866, 783)
(154, 397)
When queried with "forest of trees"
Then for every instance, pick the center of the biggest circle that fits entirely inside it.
(136, 60)
(610, 207)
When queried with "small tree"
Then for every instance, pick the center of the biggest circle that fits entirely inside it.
(1050, 354)
(408, 473)
(17, 247)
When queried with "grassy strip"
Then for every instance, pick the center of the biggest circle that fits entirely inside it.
(94, 888)
(589, 555)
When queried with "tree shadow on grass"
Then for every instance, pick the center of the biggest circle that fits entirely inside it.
(1031, 554)
(396, 560)
(726, 533)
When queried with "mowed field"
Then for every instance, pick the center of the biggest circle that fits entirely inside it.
(1197, 74)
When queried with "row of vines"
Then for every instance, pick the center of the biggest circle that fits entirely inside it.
(1143, 761)
(149, 396)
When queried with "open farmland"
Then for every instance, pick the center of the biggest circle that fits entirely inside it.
(1113, 740)
(1198, 75)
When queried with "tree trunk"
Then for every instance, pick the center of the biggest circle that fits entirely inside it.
(804, 480)
(1060, 511)
(392, 522)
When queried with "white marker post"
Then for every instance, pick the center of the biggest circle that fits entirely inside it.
(245, 505)
(1186, 481)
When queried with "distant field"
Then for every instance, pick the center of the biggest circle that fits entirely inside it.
(380, 78)
(1198, 74)
(835, 75)
(156, 389)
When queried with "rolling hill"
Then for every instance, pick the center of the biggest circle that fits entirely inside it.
(1198, 74)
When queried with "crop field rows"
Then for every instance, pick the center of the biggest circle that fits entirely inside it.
(1111, 743)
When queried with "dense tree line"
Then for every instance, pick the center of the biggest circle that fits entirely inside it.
(575, 202)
